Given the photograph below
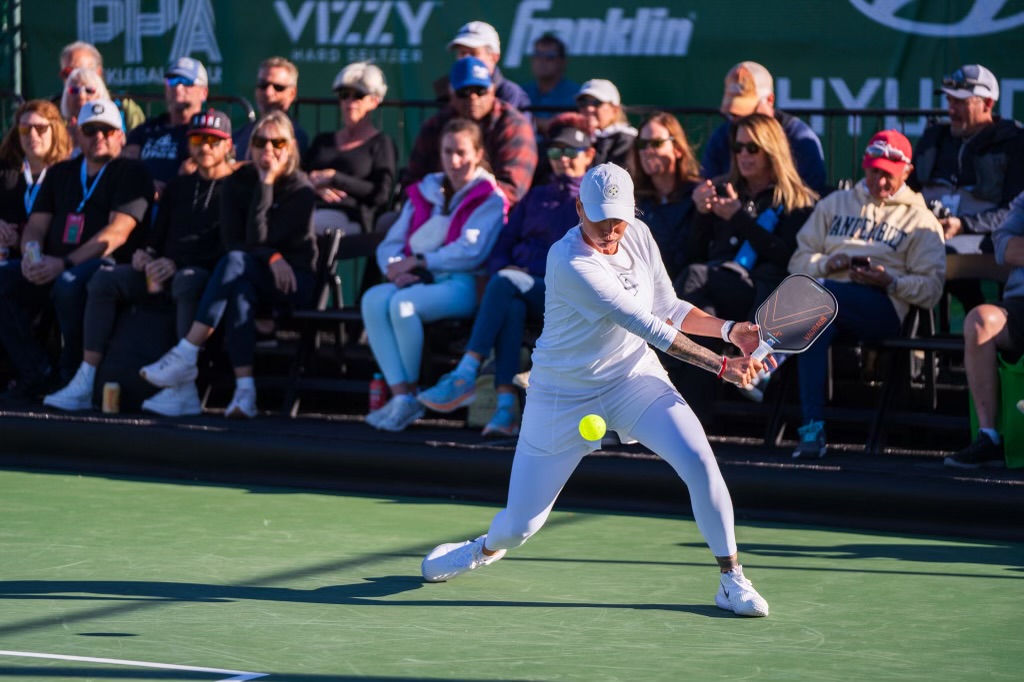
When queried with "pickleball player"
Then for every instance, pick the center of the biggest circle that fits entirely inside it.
(608, 300)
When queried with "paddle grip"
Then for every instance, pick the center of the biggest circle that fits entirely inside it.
(762, 351)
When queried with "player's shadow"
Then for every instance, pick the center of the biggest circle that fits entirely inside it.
(372, 591)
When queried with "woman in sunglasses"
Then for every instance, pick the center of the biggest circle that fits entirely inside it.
(665, 172)
(599, 101)
(515, 292)
(430, 258)
(353, 169)
(38, 140)
(267, 228)
(83, 85)
(745, 228)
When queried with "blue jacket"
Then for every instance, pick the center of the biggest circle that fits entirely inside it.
(803, 143)
(543, 217)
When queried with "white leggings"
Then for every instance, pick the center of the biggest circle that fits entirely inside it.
(394, 320)
(669, 429)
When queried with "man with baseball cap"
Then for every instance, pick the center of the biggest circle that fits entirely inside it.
(508, 137)
(160, 142)
(749, 88)
(181, 251)
(479, 39)
(879, 249)
(90, 211)
(973, 164)
(607, 301)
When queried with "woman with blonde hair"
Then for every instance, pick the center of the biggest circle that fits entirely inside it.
(267, 226)
(745, 229)
(83, 85)
(665, 171)
(38, 140)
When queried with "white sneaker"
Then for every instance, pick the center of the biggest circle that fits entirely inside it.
(737, 594)
(177, 401)
(242, 405)
(451, 560)
(170, 370)
(77, 395)
(406, 410)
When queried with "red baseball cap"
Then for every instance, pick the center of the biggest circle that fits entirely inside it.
(889, 151)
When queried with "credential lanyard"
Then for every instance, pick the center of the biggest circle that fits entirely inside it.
(31, 188)
(88, 190)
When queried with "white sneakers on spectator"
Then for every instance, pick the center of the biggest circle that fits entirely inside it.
(171, 370)
(77, 395)
(451, 560)
(242, 405)
(405, 411)
(177, 401)
(737, 594)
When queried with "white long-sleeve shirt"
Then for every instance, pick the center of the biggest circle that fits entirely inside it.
(601, 312)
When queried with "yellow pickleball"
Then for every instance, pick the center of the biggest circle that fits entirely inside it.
(592, 427)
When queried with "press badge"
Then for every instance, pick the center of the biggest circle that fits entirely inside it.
(73, 228)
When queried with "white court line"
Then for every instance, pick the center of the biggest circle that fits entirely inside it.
(239, 675)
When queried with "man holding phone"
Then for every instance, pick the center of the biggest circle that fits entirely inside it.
(879, 249)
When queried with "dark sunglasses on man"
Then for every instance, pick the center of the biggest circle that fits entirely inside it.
(65, 72)
(278, 87)
(652, 143)
(94, 129)
(199, 139)
(464, 93)
(175, 81)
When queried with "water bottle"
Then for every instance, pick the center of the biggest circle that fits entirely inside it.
(378, 392)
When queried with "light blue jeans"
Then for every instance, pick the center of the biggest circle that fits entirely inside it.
(394, 320)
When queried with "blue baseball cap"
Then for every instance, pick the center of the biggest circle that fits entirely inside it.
(469, 71)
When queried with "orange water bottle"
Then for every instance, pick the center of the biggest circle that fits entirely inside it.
(378, 392)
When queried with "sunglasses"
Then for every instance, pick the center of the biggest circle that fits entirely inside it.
(65, 72)
(478, 90)
(555, 153)
(199, 139)
(587, 102)
(652, 143)
(75, 89)
(346, 94)
(92, 130)
(175, 81)
(278, 87)
(751, 147)
(546, 55)
(40, 128)
(883, 150)
(260, 142)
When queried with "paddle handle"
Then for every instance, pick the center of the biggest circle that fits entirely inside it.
(762, 351)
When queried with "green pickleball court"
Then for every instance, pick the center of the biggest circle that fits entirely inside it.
(112, 579)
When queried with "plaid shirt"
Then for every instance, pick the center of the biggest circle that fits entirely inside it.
(508, 138)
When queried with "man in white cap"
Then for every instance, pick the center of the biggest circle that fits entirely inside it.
(750, 88)
(607, 301)
(479, 39)
(85, 215)
(973, 163)
(161, 142)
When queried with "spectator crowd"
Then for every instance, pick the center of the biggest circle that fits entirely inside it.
(103, 209)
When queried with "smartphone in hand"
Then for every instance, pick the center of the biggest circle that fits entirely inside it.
(860, 262)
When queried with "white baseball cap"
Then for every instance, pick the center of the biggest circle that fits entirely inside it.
(477, 34)
(365, 77)
(600, 89)
(971, 80)
(100, 111)
(607, 192)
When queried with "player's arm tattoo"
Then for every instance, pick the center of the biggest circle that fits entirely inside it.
(684, 349)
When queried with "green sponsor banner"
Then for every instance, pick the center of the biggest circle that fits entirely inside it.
(841, 54)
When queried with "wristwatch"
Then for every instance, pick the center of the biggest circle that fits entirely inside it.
(420, 259)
